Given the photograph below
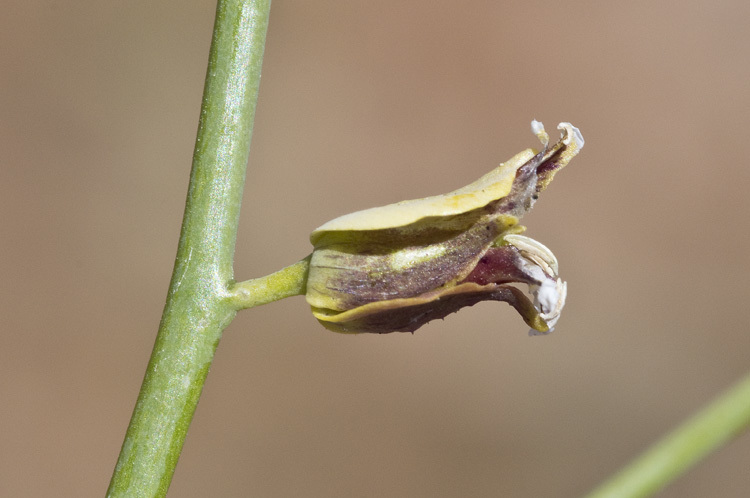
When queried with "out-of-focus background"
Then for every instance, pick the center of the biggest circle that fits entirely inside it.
(362, 104)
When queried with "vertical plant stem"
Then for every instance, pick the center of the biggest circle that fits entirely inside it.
(720, 421)
(198, 307)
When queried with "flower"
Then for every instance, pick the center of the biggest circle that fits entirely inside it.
(397, 267)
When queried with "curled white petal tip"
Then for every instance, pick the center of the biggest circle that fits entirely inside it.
(571, 134)
(550, 300)
(550, 293)
(534, 250)
(537, 128)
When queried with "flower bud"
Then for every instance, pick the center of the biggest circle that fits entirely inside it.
(397, 267)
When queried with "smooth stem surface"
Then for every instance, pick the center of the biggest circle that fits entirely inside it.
(198, 307)
(287, 282)
(713, 426)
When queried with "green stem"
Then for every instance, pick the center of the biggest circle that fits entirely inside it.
(198, 304)
(722, 420)
(287, 282)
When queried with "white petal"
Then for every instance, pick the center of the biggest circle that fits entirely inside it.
(549, 295)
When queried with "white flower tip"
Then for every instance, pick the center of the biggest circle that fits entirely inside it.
(550, 293)
(549, 300)
(537, 128)
(535, 251)
(571, 134)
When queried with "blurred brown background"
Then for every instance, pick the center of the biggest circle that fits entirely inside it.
(363, 104)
